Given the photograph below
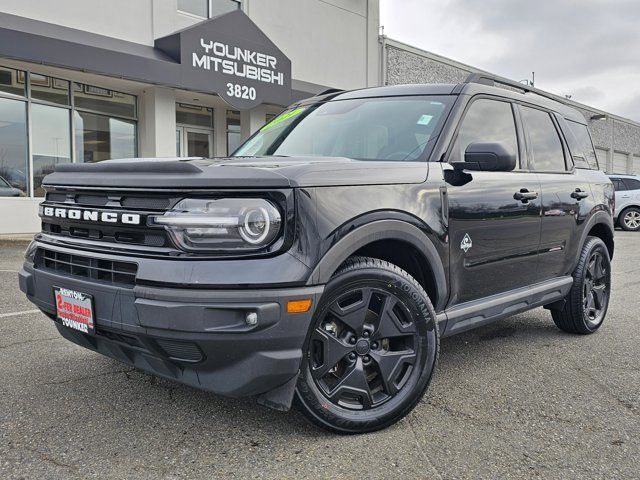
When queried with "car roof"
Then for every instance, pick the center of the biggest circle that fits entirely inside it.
(473, 87)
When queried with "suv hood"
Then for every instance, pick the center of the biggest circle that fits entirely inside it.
(241, 172)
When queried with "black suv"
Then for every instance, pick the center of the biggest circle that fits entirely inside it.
(327, 257)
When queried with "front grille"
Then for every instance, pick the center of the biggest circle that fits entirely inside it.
(108, 271)
(183, 351)
(90, 200)
(102, 199)
(112, 201)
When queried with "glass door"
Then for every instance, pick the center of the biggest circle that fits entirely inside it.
(194, 142)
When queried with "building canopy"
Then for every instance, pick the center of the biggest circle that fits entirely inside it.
(226, 55)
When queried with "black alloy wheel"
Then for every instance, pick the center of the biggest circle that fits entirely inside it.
(587, 302)
(371, 349)
(595, 290)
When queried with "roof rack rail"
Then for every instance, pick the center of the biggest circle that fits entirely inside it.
(328, 91)
(487, 79)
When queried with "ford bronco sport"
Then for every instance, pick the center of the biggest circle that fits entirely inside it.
(326, 258)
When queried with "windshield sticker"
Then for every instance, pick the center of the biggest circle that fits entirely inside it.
(281, 118)
(425, 119)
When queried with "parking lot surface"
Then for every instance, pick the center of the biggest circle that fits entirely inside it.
(516, 399)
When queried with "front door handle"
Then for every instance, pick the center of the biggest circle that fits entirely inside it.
(579, 194)
(525, 195)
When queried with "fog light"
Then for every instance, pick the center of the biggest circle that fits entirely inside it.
(298, 306)
(252, 318)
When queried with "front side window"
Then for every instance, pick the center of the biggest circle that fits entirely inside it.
(546, 147)
(486, 121)
(390, 128)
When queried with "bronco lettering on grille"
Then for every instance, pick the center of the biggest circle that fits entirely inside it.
(92, 215)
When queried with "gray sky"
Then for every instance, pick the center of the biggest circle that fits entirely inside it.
(589, 49)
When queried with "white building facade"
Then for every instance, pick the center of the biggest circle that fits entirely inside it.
(67, 93)
(88, 80)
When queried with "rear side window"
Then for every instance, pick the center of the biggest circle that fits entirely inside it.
(486, 121)
(631, 183)
(585, 145)
(545, 145)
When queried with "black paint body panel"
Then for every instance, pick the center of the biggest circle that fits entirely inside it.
(487, 253)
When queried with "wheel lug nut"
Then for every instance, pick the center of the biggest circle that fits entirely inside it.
(352, 356)
(365, 334)
(352, 340)
(374, 345)
(366, 358)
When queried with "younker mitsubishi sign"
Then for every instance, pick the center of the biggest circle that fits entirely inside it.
(227, 55)
(231, 56)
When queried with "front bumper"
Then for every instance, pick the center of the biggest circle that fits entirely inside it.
(196, 336)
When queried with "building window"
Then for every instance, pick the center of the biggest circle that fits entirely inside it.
(100, 137)
(220, 7)
(207, 8)
(14, 160)
(10, 84)
(50, 142)
(38, 114)
(233, 131)
(104, 123)
(195, 115)
(101, 100)
(49, 89)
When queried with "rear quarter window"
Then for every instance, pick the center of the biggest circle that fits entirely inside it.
(585, 153)
(631, 183)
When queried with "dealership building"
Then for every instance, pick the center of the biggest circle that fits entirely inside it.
(86, 81)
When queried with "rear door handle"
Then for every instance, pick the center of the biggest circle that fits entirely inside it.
(579, 194)
(525, 195)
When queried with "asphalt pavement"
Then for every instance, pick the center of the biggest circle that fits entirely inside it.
(516, 399)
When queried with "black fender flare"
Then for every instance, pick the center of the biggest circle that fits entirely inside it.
(383, 230)
(600, 217)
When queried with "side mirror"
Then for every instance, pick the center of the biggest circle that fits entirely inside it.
(487, 157)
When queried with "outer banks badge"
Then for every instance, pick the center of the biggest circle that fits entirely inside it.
(466, 243)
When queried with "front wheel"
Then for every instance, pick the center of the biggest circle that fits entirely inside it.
(371, 349)
(586, 304)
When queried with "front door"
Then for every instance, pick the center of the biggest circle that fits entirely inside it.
(194, 142)
(494, 217)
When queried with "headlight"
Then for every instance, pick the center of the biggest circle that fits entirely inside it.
(227, 224)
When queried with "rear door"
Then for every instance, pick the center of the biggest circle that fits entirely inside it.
(494, 229)
(565, 192)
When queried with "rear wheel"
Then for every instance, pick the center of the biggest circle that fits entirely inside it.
(587, 302)
(630, 219)
(371, 350)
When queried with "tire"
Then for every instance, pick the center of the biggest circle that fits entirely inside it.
(587, 301)
(630, 219)
(371, 349)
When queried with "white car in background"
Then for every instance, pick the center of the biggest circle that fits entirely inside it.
(627, 189)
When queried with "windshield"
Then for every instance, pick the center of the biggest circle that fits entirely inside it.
(390, 128)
